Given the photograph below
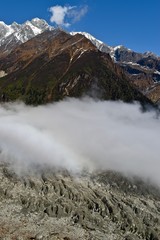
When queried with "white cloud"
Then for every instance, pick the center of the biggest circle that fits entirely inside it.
(66, 15)
(76, 134)
(77, 13)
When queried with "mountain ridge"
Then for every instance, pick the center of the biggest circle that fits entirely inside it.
(144, 80)
(143, 70)
(15, 34)
(71, 66)
(38, 25)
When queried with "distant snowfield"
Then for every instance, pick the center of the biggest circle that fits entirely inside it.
(81, 134)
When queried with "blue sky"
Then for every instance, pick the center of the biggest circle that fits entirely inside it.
(132, 23)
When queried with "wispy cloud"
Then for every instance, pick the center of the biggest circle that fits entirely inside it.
(77, 13)
(67, 15)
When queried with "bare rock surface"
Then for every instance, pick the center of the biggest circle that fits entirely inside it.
(57, 205)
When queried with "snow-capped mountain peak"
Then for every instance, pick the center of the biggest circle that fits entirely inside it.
(5, 30)
(87, 35)
(11, 35)
(99, 44)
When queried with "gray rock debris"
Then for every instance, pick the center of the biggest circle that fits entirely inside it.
(49, 205)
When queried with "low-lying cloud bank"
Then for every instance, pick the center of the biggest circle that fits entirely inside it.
(77, 134)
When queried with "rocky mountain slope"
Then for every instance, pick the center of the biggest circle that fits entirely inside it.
(143, 69)
(55, 64)
(45, 204)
